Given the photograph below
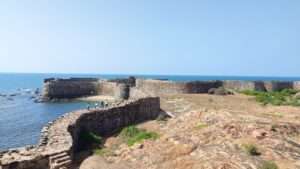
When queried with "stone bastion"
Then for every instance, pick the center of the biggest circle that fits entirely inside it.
(60, 138)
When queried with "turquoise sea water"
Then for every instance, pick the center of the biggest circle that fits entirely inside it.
(21, 119)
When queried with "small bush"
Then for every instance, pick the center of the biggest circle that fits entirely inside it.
(268, 165)
(249, 92)
(101, 151)
(251, 149)
(90, 137)
(277, 114)
(283, 97)
(134, 135)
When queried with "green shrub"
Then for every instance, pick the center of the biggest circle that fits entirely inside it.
(201, 125)
(268, 165)
(101, 151)
(289, 92)
(90, 137)
(251, 149)
(283, 97)
(134, 135)
(250, 92)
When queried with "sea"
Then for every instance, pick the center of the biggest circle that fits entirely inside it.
(21, 119)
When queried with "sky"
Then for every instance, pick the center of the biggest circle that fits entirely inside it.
(177, 37)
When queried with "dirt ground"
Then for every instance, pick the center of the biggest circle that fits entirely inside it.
(209, 132)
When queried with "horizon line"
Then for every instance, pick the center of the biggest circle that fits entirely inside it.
(146, 74)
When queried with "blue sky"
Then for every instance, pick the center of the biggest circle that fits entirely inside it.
(196, 37)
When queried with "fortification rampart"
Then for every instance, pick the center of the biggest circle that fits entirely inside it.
(259, 85)
(69, 88)
(125, 88)
(79, 87)
(296, 85)
(160, 87)
(61, 138)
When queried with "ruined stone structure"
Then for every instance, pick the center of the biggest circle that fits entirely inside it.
(244, 85)
(259, 85)
(69, 88)
(131, 87)
(296, 85)
(60, 139)
(79, 87)
(159, 87)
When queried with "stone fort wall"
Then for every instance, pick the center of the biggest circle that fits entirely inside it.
(69, 88)
(161, 87)
(124, 88)
(60, 138)
(79, 87)
(259, 85)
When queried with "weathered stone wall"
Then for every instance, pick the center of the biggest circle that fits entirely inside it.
(159, 87)
(78, 87)
(128, 81)
(296, 85)
(103, 123)
(124, 88)
(244, 85)
(115, 89)
(69, 88)
(258, 85)
(107, 88)
(61, 138)
(278, 85)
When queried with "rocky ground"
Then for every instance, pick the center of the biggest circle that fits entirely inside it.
(210, 132)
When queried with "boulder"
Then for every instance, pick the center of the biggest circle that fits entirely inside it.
(212, 91)
(219, 91)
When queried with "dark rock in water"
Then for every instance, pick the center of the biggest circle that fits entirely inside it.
(41, 99)
(37, 101)
(13, 94)
(37, 91)
(10, 99)
(3, 95)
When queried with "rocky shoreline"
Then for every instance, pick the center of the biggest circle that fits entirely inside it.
(61, 136)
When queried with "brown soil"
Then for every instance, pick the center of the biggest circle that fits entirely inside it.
(208, 132)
